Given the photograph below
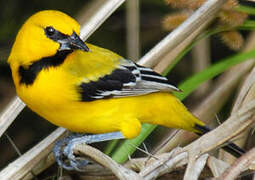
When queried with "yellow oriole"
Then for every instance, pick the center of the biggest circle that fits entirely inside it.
(88, 89)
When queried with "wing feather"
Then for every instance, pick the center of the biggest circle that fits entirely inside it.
(128, 79)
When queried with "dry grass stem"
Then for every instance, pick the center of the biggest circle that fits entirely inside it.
(239, 165)
(88, 11)
(164, 163)
(11, 111)
(200, 61)
(24, 164)
(217, 166)
(173, 53)
(119, 171)
(238, 122)
(149, 169)
(40, 167)
(227, 17)
(195, 167)
(204, 14)
(212, 103)
(246, 94)
(233, 126)
(133, 29)
(99, 16)
(153, 167)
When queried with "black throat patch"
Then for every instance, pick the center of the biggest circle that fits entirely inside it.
(28, 75)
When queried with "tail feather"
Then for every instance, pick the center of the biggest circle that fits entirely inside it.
(230, 147)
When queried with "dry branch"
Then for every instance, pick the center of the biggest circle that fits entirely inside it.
(239, 165)
(234, 125)
(164, 163)
(96, 155)
(237, 122)
(204, 14)
(173, 53)
(201, 60)
(212, 103)
(216, 166)
(11, 111)
(246, 94)
(195, 167)
(133, 29)
(151, 168)
(24, 164)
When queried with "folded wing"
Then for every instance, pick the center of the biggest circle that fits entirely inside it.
(128, 79)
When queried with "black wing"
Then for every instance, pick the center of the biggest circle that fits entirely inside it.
(129, 79)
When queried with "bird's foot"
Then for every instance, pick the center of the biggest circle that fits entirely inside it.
(64, 149)
(62, 159)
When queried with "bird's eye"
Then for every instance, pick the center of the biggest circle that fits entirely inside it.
(50, 30)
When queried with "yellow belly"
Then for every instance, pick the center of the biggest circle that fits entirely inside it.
(118, 114)
(59, 103)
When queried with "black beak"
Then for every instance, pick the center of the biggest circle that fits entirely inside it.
(73, 42)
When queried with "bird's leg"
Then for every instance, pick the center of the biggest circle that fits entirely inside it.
(61, 159)
(71, 141)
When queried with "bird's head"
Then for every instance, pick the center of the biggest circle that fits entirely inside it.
(43, 35)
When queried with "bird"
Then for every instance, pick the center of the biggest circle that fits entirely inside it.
(89, 89)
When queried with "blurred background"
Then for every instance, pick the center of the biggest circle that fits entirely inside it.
(28, 129)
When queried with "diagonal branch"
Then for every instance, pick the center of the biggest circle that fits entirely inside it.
(239, 165)
(118, 170)
(203, 15)
(234, 125)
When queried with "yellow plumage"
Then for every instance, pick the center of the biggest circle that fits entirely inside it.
(56, 92)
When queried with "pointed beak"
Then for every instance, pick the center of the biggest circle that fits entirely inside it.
(73, 42)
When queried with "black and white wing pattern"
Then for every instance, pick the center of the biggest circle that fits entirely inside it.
(128, 79)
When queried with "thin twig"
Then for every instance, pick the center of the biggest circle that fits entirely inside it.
(13, 144)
